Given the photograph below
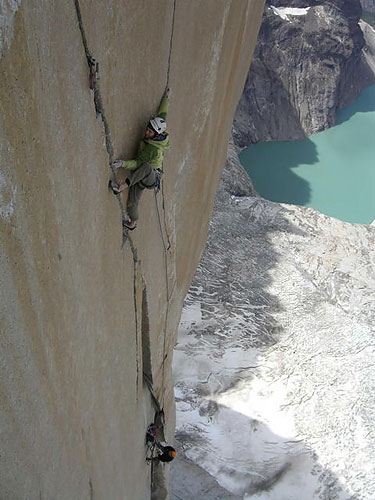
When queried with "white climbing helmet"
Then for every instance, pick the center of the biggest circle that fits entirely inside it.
(158, 124)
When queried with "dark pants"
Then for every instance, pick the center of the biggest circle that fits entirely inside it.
(143, 177)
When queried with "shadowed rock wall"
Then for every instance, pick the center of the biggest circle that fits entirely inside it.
(78, 313)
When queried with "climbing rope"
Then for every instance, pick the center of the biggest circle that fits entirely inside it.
(170, 43)
(166, 247)
(166, 244)
(154, 399)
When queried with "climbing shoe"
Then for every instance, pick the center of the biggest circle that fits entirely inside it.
(114, 187)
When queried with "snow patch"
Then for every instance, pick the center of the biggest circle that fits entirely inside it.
(8, 9)
(273, 364)
(286, 12)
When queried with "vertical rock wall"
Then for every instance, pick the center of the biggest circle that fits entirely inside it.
(81, 318)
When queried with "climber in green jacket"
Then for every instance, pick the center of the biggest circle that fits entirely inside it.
(142, 172)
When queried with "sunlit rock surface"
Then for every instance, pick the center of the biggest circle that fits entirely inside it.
(274, 365)
(82, 319)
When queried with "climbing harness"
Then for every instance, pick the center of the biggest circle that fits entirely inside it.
(153, 442)
(151, 434)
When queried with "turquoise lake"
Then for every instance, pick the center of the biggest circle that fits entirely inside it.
(332, 171)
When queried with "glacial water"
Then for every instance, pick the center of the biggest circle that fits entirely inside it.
(332, 171)
(369, 17)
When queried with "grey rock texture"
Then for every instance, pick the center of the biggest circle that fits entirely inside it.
(309, 61)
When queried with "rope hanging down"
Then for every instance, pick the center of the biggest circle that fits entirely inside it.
(170, 44)
(166, 247)
(166, 244)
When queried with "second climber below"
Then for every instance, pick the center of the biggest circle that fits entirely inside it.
(142, 172)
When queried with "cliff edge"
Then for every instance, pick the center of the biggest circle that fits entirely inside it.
(88, 327)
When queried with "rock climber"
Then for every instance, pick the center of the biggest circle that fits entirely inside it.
(168, 453)
(142, 172)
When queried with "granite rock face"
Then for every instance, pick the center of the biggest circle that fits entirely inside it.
(309, 61)
(87, 327)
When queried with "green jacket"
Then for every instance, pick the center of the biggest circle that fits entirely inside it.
(151, 150)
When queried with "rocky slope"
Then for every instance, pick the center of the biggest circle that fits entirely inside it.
(82, 320)
(311, 59)
(274, 363)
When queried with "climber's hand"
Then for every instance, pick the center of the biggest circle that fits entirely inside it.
(117, 164)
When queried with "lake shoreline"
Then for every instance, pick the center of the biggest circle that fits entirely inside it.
(331, 171)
